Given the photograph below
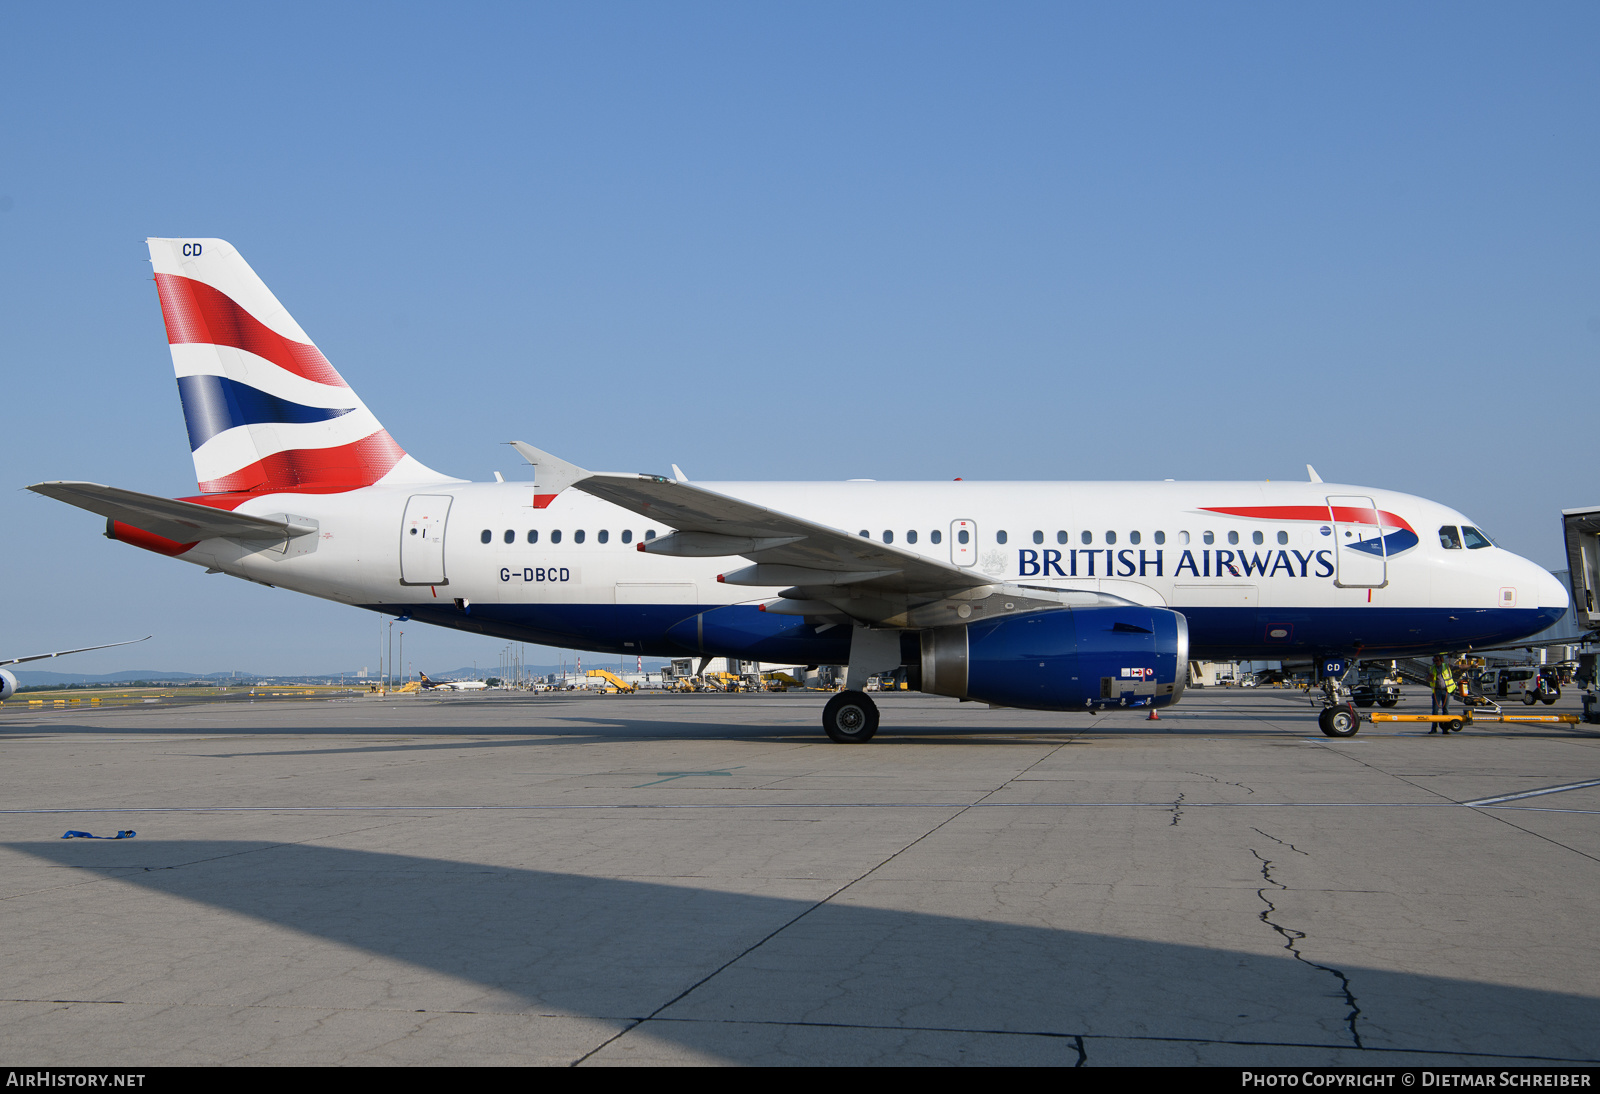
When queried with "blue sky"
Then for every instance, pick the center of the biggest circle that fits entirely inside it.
(1032, 241)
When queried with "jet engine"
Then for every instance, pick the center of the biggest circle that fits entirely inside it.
(8, 685)
(1067, 659)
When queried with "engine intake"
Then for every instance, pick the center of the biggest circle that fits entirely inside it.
(1070, 659)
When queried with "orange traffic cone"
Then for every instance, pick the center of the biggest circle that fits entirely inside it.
(1154, 717)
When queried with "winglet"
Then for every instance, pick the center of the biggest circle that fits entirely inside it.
(677, 473)
(551, 473)
(1312, 471)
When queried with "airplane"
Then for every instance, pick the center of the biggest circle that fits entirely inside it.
(1065, 596)
(451, 685)
(8, 682)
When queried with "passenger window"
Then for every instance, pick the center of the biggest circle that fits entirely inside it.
(1256, 538)
(577, 537)
(1038, 536)
(602, 535)
(935, 535)
(911, 537)
(1475, 538)
(1133, 538)
(1209, 538)
(1449, 538)
(962, 537)
(1161, 537)
(999, 537)
(487, 535)
(1062, 537)
(1233, 537)
(510, 536)
(1183, 538)
(1087, 537)
(533, 535)
(1111, 537)
(555, 537)
(865, 534)
(650, 533)
(627, 535)
(888, 536)
(1283, 537)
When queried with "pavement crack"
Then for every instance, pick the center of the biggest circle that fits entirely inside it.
(1275, 839)
(1221, 782)
(1177, 810)
(1292, 939)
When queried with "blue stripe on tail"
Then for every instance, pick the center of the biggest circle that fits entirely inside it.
(212, 404)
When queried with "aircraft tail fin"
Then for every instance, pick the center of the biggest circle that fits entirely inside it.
(266, 411)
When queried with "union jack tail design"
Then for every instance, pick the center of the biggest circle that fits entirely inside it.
(266, 411)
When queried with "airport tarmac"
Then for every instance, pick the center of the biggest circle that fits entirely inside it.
(502, 878)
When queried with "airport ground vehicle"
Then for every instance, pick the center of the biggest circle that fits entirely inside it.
(1532, 683)
(1376, 686)
(1056, 596)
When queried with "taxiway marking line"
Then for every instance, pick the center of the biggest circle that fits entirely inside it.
(1532, 793)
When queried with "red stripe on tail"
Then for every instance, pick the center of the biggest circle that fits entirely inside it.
(315, 470)
(196, 312)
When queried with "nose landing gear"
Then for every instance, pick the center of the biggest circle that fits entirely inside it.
(1339, 721)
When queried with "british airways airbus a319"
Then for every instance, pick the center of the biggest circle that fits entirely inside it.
(1070, 596)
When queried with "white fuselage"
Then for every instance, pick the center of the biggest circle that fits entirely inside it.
(1251, 585)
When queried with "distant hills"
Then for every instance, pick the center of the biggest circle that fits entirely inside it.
(34, 678)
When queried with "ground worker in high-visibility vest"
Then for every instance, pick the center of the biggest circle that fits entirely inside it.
(1442, 683)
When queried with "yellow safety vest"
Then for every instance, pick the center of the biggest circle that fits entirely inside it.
(1440, 677)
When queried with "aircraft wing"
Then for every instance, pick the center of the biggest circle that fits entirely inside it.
(179, 521)
(81, 649)
(788, 550)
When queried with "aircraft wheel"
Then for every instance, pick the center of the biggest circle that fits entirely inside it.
(1529, 698)
(1387, 702)
(1363, 702)
(850, 718)
(1339, 721)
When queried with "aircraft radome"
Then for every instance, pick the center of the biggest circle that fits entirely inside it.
(1069, 596)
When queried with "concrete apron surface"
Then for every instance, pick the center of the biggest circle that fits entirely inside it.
(501, 878)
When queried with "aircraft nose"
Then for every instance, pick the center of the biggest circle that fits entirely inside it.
(1547, 589)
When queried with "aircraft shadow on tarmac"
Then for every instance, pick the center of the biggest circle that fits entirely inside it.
(522, 940)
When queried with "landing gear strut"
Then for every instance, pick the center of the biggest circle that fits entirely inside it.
(850, 718)
(1339, 717)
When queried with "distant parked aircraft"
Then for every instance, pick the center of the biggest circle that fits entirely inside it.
(8, 683)
(451, 685)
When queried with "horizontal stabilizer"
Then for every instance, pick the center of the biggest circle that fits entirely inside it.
(179, 521)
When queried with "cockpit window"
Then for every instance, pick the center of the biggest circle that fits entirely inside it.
(1475, 538)
(1449, 538)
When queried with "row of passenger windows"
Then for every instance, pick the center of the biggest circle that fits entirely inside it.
(1135, 538)
(602, 536)
(1449, 537)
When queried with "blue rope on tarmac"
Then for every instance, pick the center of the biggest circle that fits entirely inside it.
(128, 833)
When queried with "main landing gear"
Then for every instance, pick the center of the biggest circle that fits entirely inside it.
(850, 718)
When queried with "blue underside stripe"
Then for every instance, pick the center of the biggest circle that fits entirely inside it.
(1214, 633)
(212, 404)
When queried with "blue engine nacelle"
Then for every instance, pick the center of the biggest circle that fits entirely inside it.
(8, 685)
(1069, 659)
